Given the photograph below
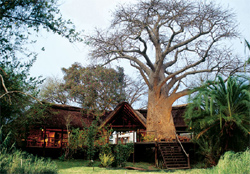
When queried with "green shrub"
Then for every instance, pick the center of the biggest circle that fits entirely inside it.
(106, 159)
(122, 153)
(106, 148)
(235, 162)
(20, 162)
(91, 134)
(230, 162)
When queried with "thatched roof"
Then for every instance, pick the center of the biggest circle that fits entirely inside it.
(56, 116)
(122, 117)
(125, 117)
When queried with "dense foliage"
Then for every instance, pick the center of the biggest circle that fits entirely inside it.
(17, 91)
(95, 88)
(91, 135)
(122, 153)
(20, 162)
(53, 91)
(21, 19)
(219, 117)
(92, 87)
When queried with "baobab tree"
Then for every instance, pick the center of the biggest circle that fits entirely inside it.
(168, 41)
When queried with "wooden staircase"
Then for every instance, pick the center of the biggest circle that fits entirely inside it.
(174, 156)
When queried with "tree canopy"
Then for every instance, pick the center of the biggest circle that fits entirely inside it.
(17, 90)
(95, 87)
(92, 87)
(168, 42)
(53, 91)
(21, 19)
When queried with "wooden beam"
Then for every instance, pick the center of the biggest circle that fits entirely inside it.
(127, 126)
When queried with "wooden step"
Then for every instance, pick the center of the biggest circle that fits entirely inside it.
(174, 159)
(176, 162)
(172, 155)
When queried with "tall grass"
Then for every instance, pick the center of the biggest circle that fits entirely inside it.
(21, 162)
(232, 162)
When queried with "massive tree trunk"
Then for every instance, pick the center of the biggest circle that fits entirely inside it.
(160, 101)
(159, 117)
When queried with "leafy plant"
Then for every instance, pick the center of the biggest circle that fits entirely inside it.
(6, 143)
(91, 134)
(148, 138)
(219, 116)
(106, 159)
(209, 149)
(122, 153)
(106, 148)
(78, 139)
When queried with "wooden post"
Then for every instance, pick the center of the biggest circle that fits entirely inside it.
(116, 141)
(156, 154)
(61, 141)
(106, 135)
(134, 154)
(44, 143)
(137, 135)
(133, 136)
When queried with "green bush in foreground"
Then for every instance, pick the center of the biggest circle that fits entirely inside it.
(230, 162)
(122, 153)
(21, 162)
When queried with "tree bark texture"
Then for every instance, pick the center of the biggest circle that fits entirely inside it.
(159, 117)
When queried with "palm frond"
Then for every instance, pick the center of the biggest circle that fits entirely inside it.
(220, 110)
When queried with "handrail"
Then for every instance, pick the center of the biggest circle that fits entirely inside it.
(182, 146)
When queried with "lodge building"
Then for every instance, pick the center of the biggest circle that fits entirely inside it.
(50, 133)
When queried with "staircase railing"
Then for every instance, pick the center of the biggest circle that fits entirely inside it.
(183, 150)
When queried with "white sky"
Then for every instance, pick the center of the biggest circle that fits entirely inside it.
(88, 14)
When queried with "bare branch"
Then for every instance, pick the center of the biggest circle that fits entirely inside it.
(144, 53)
(170, 63)
(11, 92)
(3, 84)
(176, 88)
(142, 74)
(203, 58)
